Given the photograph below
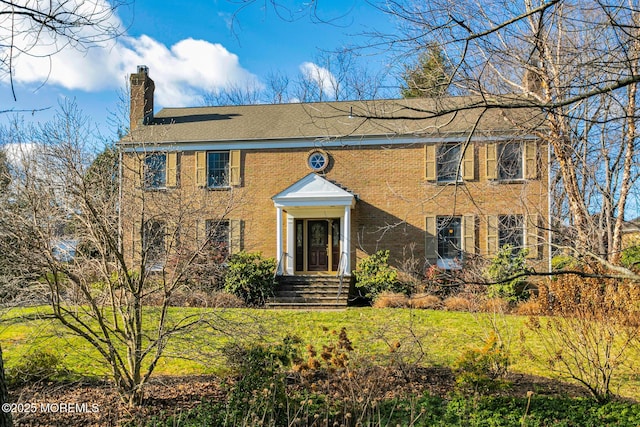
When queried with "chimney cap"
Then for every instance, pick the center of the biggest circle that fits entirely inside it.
(143, 69)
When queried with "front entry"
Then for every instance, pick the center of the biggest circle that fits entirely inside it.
(317, 245)
(318, 237)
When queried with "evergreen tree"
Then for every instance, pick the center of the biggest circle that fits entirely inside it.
(429, 77)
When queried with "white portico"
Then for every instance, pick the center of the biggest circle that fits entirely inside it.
(317, 235)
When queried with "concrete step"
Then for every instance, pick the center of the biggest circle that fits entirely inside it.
(310, 292)
(295, 286)
(313, 300)
(305, 306)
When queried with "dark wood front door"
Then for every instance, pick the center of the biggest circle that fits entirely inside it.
(318, 232)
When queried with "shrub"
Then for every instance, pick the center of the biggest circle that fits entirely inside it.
(562, 261)
(391, 300)
(503, 268)
(39, 365)
(593, 330)
(425, 301)
(374, 275)
(250, 277)
(259, 390)
(478, 369)
(630, 257)
(530, 307)
(494, 305)
(225, 300)
(458, 303)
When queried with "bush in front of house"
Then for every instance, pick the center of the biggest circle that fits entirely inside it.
(505, 270)
(250, 277)
(374, 275)
(630, 257)
(37, 366)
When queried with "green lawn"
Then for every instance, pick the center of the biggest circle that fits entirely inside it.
(436, 337)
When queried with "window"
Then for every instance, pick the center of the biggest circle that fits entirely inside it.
(218, 233)
(155, 171)
(511, 231)
(449, 163)
(153, 243)
(218, 169)
(449, 237)
(318, 160)
(510, 161)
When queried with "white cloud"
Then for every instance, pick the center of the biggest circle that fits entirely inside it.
(182, 72)
(322, 77)
(18, 154)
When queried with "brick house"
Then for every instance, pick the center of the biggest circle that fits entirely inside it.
(318, 186)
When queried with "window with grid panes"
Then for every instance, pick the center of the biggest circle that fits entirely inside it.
(217, 169)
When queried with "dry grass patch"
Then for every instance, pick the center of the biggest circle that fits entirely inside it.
(391, 300)
(530, 307)
(458, 303)
(495, 305)
(425, 301)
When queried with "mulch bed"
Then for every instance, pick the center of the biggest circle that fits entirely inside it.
(173, 395)
(162, 395)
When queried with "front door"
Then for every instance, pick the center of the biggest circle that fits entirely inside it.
(318, 258)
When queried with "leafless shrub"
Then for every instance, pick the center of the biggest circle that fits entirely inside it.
(225, 300)
(592, 329)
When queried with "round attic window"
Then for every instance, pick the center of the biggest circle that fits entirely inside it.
(318, 160)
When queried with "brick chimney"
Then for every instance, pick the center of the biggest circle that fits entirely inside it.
(142, 87)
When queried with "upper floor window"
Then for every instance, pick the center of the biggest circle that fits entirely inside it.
(155, 170)
(511, 231)
(448, 163)
(217, 169)
(510, 161)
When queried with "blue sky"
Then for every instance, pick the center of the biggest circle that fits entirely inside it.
(190, 48)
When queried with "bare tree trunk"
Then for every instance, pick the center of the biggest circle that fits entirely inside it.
(5, 416)
(616, 248)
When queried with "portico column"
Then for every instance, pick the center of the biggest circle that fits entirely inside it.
(279, 239)
(346, 239)
(291, 243)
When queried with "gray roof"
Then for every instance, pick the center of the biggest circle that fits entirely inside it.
(632, 226)
(380, 118)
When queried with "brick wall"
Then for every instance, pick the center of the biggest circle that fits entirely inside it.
(393, 196)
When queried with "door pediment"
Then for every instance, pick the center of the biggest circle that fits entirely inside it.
(313, 190)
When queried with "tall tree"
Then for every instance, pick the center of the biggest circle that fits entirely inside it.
(335, 76)
(64, 194)
(577, 63)
(429, 76)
